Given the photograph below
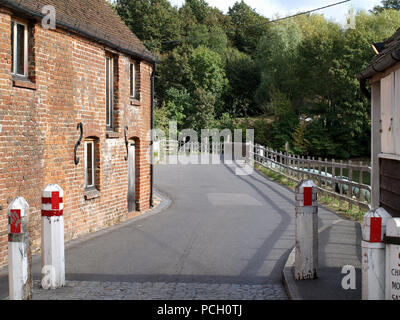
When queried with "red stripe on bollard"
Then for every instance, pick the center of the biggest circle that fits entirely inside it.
(55, 200)
(15, 221)
(376, 230)
(52, 213)
(308, 196)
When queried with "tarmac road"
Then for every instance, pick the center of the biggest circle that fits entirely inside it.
(220, 229)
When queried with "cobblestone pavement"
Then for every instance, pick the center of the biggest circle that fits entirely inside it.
(86, 290)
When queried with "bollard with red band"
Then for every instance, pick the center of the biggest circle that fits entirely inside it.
(53, 257)
(19, 255)
(373, 254)
(306, 253)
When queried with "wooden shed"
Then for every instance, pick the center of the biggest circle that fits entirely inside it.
(383, 74)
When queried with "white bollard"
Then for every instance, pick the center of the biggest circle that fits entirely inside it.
(373, 254)
(393, 259)
(53, 259)
(306, 253)
(19, 255)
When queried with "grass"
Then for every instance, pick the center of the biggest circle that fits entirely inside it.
(333, 204)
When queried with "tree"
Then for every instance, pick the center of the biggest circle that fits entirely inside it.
(208, 71)
(243, 75)
(276, 53)
(153, 21)
(178, 105)
(248, 26)
(387, 4)
(300, 142)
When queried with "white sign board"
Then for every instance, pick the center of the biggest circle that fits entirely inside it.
(393, 275)
(393, 259)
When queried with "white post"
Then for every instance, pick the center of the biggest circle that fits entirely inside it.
(228, 150)
(373, 254)
(19, 255)
(306, 253)
(393, 259)
(53, 260)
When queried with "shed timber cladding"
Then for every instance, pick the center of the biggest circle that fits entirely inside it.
(94, 18)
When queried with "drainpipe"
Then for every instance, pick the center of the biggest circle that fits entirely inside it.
(364, 90)
(152, 142)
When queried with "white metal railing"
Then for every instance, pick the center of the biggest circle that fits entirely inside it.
(328, 175)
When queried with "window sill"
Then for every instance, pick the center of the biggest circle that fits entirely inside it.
(112, 135)
(91, 194)
(135, 102)
(25, 83)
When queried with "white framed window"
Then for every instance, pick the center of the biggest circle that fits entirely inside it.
(19, 48)
(109, 91)
(133, 79)
(89, 164)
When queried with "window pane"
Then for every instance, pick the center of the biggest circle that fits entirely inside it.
(12, 46)
(89, 164)
(108, 91)
(132, 80)
(20, 47)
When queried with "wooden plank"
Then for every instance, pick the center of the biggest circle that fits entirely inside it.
(390, 184)
(390, 168)
(387, 91)
(375, 141)
(396, 114)
(390, 199)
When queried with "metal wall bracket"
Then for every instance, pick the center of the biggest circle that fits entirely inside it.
(78, 143)
(126, 143)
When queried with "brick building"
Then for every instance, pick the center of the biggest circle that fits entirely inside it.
(91, 69)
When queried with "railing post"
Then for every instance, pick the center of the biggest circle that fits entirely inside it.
(341, 185)
(19, 254)
(306, 257)
(350, 185)
(53, 260)
(373, 254)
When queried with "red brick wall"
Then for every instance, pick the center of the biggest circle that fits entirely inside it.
(39, 132)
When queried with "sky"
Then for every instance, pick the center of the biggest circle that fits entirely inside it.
(269, 8)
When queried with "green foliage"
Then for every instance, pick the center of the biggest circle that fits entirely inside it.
(243, 76)
(178, 104)
(161, 120)
(300, 143)
(248, 27)
(153, 21)
(237, 65)
(387, 4)
(208, 71)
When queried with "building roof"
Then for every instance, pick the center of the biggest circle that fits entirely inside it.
(389, 55)
(92, 18)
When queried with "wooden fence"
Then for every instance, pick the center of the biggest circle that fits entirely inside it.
(329, 176)
(173, 147)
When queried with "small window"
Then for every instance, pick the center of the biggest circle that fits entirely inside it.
(19, 49)
(133, 80)
(90, 169)
(109, 91)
